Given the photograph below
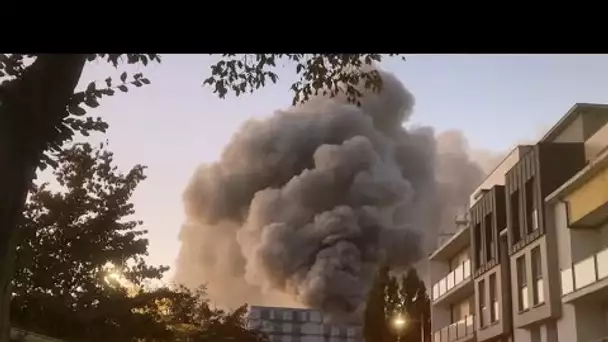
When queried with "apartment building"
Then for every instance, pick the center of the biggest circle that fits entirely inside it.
(452, 309)
(299, 325)
(538, 242)
(579, 211)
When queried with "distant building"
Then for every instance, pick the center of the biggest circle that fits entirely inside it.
(299, 325)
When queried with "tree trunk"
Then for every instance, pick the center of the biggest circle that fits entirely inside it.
(31, 106)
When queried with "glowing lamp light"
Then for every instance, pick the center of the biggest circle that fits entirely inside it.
(399, 321)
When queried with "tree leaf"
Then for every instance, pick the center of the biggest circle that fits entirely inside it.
(91, 87)
(314, 70)
(77, 110)
(91, 102)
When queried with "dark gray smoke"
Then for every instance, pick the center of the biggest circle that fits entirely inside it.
(303, 205)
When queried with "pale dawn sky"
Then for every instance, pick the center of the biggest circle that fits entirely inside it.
(175, 124)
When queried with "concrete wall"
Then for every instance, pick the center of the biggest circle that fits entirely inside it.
(460, 258)
(443, 315)
(463, 309)
(564, 242)
(573, 133)
(502, 327)
(593, 120)
(440, 315)
(437, 270)
(588, 197)
(544, 332)
(575, 245)
(596, 143)
(497, 177)
(580, 321)
(551, 287)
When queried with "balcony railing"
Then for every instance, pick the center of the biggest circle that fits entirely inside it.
(585, 272)
(453, 279)
(455, 331)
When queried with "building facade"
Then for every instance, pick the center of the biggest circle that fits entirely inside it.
(537, 243)
(299, 325)
(452, 309)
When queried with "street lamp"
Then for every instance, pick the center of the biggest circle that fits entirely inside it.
(399, 322)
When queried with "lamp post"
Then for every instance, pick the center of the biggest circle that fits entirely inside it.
(400, 322)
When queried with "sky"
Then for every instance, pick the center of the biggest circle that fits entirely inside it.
(175, 124)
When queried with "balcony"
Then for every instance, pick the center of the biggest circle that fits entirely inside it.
(587, 196)
(459, 275)
(586, 273)
(459, 331)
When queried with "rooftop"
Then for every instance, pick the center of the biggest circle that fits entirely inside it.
(570, 116)
(453, 245)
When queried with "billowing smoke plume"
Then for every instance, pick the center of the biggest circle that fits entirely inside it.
(303, 205)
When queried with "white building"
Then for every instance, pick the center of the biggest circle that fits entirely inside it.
(299, 325)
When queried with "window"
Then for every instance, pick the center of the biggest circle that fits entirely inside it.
(515, 227)
(315, 316)
(493, 299)
(522, 283)
(482, 303)
(478, 250)
(287, 315)
(531, 213)
(254, 313)
(537, 277)
(489, 237)
(287, 327)
(267, 326)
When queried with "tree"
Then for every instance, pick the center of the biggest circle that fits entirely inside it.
(416, 305)
(375, 320)
(40, 112)
(192, 319)
(389, 299)
(80, 268)
(330, 74)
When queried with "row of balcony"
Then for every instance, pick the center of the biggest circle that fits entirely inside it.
(455, 331)
(585, 272)
(453, 279)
